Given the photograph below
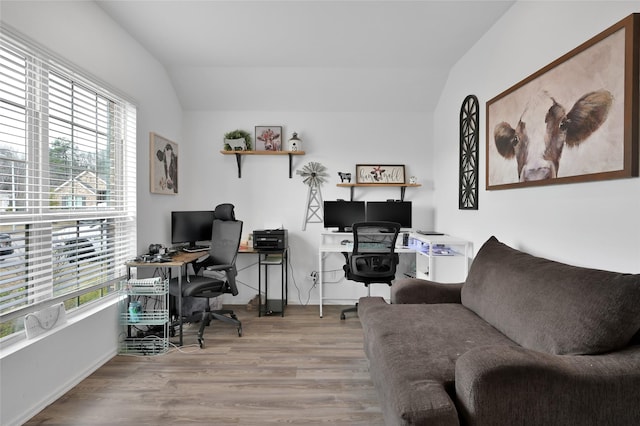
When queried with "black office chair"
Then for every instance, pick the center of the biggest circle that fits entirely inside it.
(373, 258)
(218, 270)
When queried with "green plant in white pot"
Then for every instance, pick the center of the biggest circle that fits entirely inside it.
(237, 140)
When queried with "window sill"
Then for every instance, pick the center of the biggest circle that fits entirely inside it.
(19, 341)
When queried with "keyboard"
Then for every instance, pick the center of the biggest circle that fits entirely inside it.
(195, 249)
(429, 232)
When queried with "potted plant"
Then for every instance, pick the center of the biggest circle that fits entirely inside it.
(237, 140)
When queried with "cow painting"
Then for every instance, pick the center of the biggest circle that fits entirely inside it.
(565, 123)
(163, 165)
(169, 161)
(536, 141)
(270, 138)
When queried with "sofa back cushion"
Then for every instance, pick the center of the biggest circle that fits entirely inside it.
(550, 306)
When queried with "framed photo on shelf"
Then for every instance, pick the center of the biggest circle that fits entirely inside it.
(163, 166)
(268, 138)
(574, 120)
(380, 173)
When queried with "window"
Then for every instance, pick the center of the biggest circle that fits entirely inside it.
(67, 183)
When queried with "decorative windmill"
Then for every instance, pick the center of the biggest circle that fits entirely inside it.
(314, 174)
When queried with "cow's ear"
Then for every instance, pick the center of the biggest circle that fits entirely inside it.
(506, 139)
(160, 155)
(586, 116)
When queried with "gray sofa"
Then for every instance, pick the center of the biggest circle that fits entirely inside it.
(523, 341)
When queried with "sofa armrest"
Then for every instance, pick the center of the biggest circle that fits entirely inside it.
(511, 385)
(416, 291)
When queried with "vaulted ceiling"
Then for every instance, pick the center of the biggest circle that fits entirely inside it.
(353, 55)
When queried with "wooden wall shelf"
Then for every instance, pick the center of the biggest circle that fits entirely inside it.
(402, 186)
(239, 155)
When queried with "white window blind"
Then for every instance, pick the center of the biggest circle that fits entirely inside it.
(67, 183)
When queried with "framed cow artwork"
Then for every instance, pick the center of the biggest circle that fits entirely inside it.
(163, 165)
(268, 138)
(575, 120)
(380, 174)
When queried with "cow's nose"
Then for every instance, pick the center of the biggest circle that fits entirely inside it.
(536, 173)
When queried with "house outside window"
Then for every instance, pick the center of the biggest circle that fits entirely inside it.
(73, 201)
(67, 183)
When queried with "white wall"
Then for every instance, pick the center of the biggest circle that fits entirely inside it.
(265, 195)
(593, 224)
(82, 34)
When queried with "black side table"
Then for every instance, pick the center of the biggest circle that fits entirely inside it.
(273, 258)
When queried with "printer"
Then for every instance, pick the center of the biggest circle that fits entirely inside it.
(270, 239)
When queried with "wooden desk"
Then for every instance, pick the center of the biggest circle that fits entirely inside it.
(179, 260)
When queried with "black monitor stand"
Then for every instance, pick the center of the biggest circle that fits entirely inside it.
(345, 229)
(193, 247)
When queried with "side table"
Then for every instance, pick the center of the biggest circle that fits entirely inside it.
(267, 259)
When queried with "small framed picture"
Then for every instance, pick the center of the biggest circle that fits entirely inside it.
(163, 165)
(380, 173)
(268, 138)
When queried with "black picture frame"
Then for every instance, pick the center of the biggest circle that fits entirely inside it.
(469, 153)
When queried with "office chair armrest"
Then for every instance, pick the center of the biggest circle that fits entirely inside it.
(220, 267)
(230, 272)
(201, 262)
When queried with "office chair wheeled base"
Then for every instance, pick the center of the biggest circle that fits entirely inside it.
(208, 316)
(344, 311)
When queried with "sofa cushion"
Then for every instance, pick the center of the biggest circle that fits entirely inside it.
(549, 306)
(413, 349)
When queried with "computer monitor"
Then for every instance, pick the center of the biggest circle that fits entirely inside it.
(191, 226)
(390, 211)
(343, 214)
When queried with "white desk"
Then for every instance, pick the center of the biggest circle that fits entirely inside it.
(420, 245)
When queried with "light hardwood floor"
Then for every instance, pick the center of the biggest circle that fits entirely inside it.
(298, 370)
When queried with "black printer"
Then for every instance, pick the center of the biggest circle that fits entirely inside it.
(270, 239)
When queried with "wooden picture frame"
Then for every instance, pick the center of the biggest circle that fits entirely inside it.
(575, 120)
(380, 174)
(163, 165)
(268, 138)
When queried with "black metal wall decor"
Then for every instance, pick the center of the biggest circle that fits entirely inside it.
(469, 131)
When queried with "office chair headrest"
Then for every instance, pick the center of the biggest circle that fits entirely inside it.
(224, 212)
